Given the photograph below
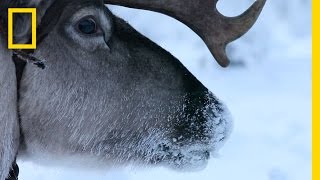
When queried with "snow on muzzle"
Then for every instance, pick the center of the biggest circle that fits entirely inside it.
(200, 132)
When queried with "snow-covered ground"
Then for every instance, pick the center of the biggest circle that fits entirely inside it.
(267, 89)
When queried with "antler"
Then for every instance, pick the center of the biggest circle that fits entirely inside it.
(202, 16)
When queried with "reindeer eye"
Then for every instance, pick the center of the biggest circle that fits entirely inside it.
(87, 26)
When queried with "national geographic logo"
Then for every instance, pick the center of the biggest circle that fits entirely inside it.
(33, 12)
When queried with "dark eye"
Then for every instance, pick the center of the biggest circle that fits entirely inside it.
(87, 26)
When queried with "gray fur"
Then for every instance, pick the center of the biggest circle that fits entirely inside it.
(110, 100)
(9, 131)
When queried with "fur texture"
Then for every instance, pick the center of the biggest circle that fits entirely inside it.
(9, 129)
(112, 98)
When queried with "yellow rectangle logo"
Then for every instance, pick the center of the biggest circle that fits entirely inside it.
(33, 12)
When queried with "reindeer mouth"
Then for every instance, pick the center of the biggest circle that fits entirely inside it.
(190, 158)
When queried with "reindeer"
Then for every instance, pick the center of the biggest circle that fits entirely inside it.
(108, 96)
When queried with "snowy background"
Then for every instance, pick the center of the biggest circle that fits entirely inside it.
(267, 88)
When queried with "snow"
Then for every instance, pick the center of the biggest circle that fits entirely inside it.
(267, 89)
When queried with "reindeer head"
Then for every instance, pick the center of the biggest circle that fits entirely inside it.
(110, 96)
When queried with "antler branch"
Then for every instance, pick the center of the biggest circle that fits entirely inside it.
(203, 18)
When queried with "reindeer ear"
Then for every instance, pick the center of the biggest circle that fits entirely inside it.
(9, 125)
